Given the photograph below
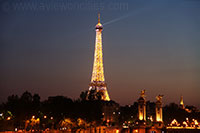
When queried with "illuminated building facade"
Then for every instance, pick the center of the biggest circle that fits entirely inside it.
(98, 80)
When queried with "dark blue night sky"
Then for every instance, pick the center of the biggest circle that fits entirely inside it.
(47, 46)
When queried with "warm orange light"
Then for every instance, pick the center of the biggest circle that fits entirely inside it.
(45, 117)
(174, 123)
(151, 118)
(196, 122)
(98, 72)
(117, 130)
(98, 80)
(185, 124)
(8, 118)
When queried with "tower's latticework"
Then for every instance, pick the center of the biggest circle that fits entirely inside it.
(98, 80)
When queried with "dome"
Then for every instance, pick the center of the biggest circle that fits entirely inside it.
(99, 26)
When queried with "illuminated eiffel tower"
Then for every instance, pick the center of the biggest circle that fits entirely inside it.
(98, 80)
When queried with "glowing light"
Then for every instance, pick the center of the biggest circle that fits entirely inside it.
(8, 118)
(51, 118)
(194, 124)
(183, 127)
(181, 102)
(140, 116)
(98, 80)
(33, 117)
(185, 124)
(117, 130)
(174, 123)
(45, 117)
(142, 106)
(98, 72)
(159, 108)
(151, 118)
(38, 120)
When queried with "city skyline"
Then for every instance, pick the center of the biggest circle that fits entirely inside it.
(147, 45)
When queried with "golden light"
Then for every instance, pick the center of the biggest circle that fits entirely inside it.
(33, 117)
(117, 130)
(45, 117)
(185, 124)
(98, 80)
(151, 118)
(196, 122)
(174, 123)
(8, 118)
(37, 120)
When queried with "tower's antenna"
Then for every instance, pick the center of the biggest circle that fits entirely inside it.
(98, 17)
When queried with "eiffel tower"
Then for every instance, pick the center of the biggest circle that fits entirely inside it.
(98, 80)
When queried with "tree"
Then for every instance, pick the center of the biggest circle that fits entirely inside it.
(83, 95)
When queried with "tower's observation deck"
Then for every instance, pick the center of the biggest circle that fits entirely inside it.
(98, 80)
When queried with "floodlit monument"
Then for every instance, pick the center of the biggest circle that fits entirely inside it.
(97, 83)
(141, 122)
(159, 116)
(98, 80)
(142, 107)
(159, 112)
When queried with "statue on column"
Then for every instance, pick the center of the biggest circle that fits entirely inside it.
(142, 94)
(159, 98)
